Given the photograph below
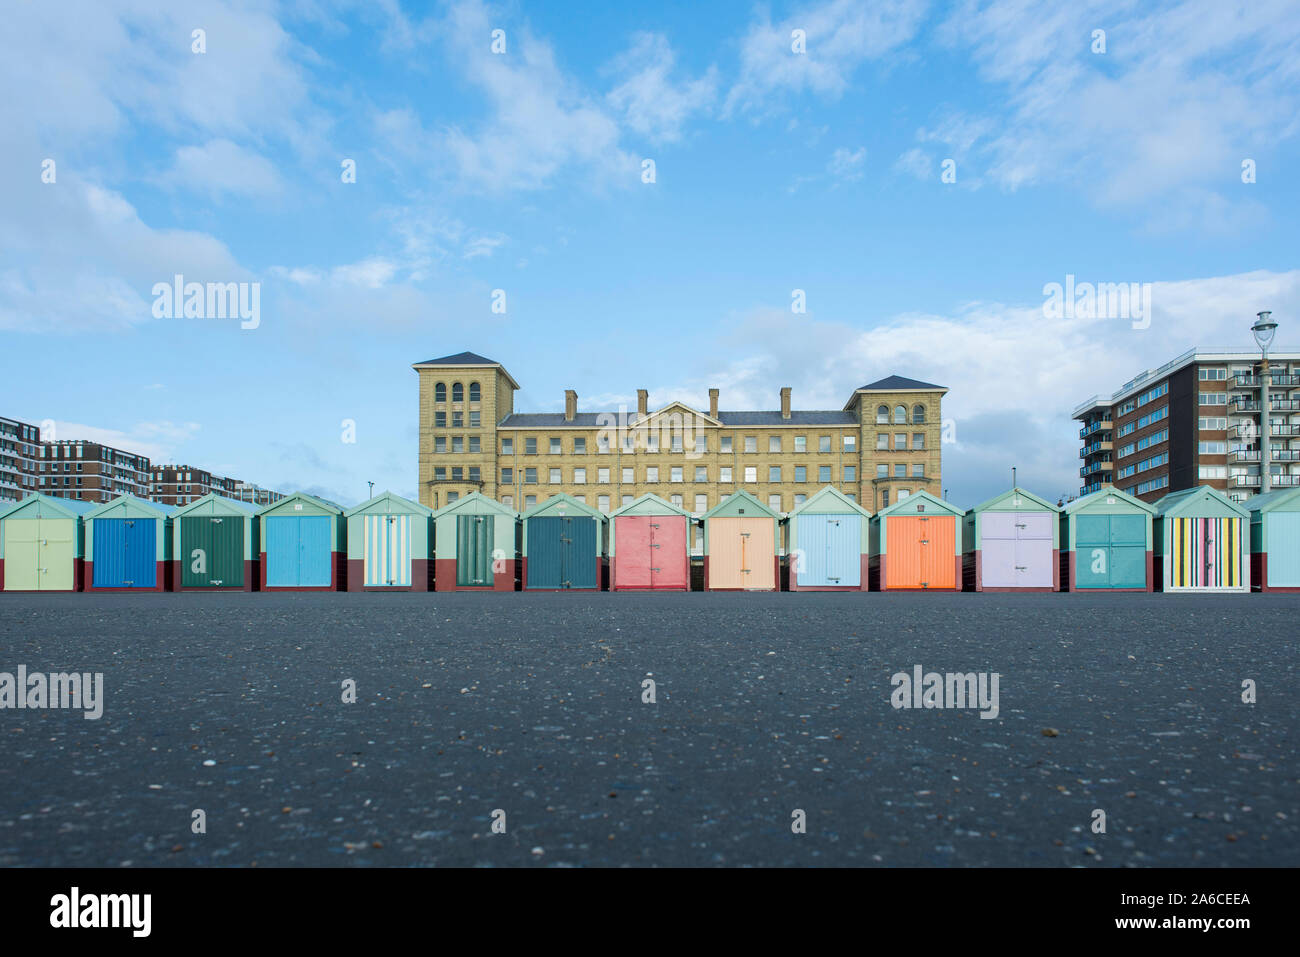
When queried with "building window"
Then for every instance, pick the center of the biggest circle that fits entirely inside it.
(652, 473)
(530, 501)
(882, 440)
(474, 474)
(725, 443)
(751, 473)
(774, 501)
(701, 473)
(1212, 375)
(440, 444)
(823, 473)
(1212, 471)
(850, 443)
(824, 444)
(602, 503)
(530, 446)
(440, 392)
(602, 476)
(918, 470)
(555, 446)
(530, 476)
(554, 478)
(701, 504)
(458, 443)
(774, 473)
(904, 493)
(724, 473)
(507, 476)
(801, 473)
(602, 444)
(677, 442)
(580, 445)
(440, 420)
(774, 443)
(751, 443)
(850, 473)
(457, 392)
(1214, 398)
(799, 499)
(918, 415)
(701, 443)
(458, 420)
(918, 440)
(579, 476)
(508, 501)
(676, 474)
(1212, 424)
(675, 500)
(900, 414)
(1213, 448)
(625, 500)
(900, 470)
(801, 443)
(882, 414)
(475, 420)
(474, 393)
(457, 473)
(900, 440)
(507, 446)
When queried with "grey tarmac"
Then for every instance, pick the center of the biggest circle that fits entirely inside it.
(765, 703)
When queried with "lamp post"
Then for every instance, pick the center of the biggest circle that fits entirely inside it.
(1264, 329)
(372, 490)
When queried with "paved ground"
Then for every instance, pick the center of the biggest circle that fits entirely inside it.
(531, 703)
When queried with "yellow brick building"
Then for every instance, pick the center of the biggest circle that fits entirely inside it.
(883, 445)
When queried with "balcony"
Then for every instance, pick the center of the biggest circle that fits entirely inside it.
(1274, 481)
(1103, 425)
(1277, 430)
(1276, 379)
(1091, 487)
(1095, 467)
(1095, 447)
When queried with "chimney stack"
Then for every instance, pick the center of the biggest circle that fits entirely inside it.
(713, 403)
(785, 403)
(570, 405)
(642, 403)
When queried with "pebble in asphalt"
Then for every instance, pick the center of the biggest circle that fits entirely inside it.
(531, 704)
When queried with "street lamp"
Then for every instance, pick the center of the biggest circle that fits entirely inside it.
(1264, 330)
(372, 491)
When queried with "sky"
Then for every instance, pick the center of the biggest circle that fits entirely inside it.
(918, 172)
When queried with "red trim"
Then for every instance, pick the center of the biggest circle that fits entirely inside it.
(356, 576)
(1259, 576)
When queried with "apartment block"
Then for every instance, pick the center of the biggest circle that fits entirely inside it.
(183, 484)
(1196, 420)
(90, 472)
(883, 445)
(19, 449)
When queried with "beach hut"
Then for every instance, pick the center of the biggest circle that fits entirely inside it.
(41, 541)
(476, 542)
(1106, 543)
(827, 543)
(302, 545)
(1201, 542)
(916, 545)
(128, 545)
(564, 546)
(1009, 543)
(649, 546)
(1275, 540)
(389, 542)
(740, 545)
(215, 545)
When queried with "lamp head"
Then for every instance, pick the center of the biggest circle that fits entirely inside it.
(1264, 329)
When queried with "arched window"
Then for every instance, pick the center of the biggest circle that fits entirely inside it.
(440, 392)
(900, 415)
(918, 415)
(474, 394)
(882, 415)
(457, 392)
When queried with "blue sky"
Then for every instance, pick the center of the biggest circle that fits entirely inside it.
(522, 171)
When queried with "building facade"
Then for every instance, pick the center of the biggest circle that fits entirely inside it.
(183, 484)
(1196, 420)
(90, 472)
(883, 445)
(19, 451)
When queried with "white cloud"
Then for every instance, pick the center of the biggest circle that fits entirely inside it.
(220, 166)
(159, 441)
(372, 273)
(1183, 93)
(841, 36)
(652, 103)
(847, 166)
(915, 162)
